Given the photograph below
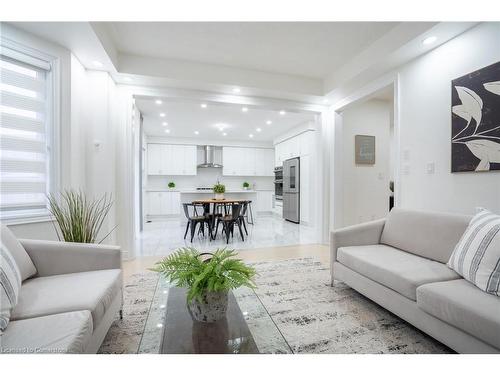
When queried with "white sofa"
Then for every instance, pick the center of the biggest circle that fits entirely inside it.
(400, 263)
(71, 301)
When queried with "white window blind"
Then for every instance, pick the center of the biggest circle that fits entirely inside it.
(24, 154)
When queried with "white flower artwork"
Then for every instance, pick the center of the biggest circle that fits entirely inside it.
(476, 121)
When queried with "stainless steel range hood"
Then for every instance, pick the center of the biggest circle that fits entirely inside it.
(209, 152)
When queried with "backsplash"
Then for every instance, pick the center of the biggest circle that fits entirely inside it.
(208, 177)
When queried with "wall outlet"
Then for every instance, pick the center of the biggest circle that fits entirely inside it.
(431, 168)
(406, 155)
(406, 169)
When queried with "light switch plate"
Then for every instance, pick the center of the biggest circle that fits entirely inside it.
(431, 168)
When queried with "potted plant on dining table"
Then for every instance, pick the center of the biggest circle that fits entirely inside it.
(208, 278)
(219, 191)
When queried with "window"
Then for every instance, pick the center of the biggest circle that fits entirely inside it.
(25, 134)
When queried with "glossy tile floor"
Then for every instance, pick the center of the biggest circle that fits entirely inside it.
(163, 237)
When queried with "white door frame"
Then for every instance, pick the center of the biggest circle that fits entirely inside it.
(128, 164)
(335, 138)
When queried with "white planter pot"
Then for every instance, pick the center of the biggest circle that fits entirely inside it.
(219, 196)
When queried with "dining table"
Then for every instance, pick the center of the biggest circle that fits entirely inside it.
(215, 203)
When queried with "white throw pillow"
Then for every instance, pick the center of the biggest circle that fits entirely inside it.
(23, 260)
(10, 283)
(477, 255)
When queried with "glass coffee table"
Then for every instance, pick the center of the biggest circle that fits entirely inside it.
(248, 327)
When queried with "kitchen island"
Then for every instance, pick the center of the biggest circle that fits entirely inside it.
(164, 203)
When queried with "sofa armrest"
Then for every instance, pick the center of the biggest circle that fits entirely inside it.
(356, 235)
(56, 258)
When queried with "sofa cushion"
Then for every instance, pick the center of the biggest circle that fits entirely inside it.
(10, 284)
(394, 268)
(430, 235)
(20, 255)
(461, 304)
(477, 255)
(93, 291)
(60, 333)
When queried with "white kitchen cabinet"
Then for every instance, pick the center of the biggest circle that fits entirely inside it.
(172, 160)
(190, 161)
(264, 201)
(306, 143)
(173, 203)
(247, 161)
(302, 144)
(155, 159)
(155, 202)
(230, 161)
(160, 203)
(264, 162)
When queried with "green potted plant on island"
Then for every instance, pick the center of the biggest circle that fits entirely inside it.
(171, 185)
(208, 278)
(246, 185)
(219, 190)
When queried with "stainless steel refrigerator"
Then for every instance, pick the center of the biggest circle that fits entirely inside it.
(291, 190)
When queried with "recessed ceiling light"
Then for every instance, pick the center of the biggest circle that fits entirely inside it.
(158, 101)
(224, 134)
(196, 132)
(429, 40)
(325, 100)
(236, 90)
(250, 135)
(203, 105)
(164, 123)
(97, 64)
(244, 109)
(127, 79)
(269, 122)
(167, 130)
(162, 114)
(258, 130)
(282, 113)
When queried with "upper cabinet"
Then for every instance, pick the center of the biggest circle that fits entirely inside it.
(247, 161)
(297, 146)
(171, 159)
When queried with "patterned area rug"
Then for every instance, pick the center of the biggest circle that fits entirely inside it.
(312, 316)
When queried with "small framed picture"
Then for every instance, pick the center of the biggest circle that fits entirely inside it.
(364, 146)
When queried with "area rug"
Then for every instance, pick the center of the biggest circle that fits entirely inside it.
(312, 316)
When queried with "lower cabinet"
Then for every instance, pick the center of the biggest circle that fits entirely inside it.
(264, 201)
(160, 203)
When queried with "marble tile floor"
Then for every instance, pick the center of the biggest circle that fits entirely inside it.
(163, 237)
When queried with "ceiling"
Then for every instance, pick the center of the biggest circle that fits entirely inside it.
(308, 49)
(186, 117)
(311, 64)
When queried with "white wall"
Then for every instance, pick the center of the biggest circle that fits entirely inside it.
(425, 115)
(366, 187)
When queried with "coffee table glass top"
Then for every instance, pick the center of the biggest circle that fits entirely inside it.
(248, 328)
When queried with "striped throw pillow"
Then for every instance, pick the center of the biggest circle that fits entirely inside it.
(477, 255)
(10, 283)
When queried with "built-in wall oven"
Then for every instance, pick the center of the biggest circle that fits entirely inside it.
(278, 183)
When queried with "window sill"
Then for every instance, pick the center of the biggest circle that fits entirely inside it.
(27, 220)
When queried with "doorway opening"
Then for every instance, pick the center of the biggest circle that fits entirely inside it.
(367, 150)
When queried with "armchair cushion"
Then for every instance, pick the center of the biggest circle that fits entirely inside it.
(93, 291)
(23, 260)
(52, 334)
